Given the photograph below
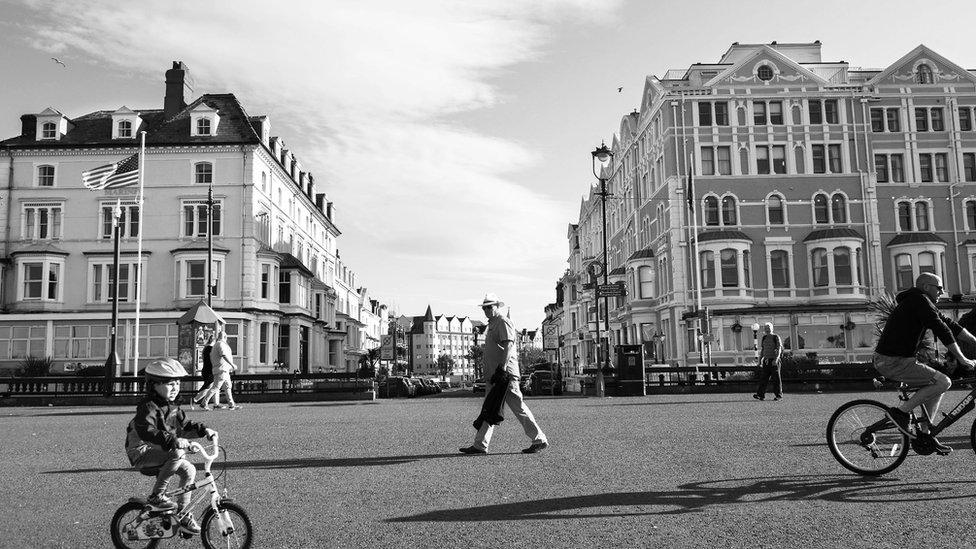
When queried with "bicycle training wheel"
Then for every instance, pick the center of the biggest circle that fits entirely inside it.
(126, 514)
(863, 439)
(239, 538)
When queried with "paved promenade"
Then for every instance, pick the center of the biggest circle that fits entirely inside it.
(659, 471)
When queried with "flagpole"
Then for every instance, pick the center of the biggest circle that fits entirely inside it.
(142, 179)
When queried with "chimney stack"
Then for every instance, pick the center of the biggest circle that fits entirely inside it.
(28, 125)
(176, 81)
(320, 202)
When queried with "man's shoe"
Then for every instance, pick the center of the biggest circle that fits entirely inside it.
(778, 397)
(757, 396)
(472, 450)
(233, 407)
(940, 448)
(189, 524)
(902, 420)
(159, 502)
(536, 447)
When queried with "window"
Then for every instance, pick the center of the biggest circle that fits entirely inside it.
(926, 263)
(816, 112)
(646, 277)
(704, 114)
(893, 120)
(746, 276)
(842, 267)
(881, 167)
(195, 218)
(730, 268)
(833, 155)
(923, 74)
(80, 341)
(938, 123)
(819, 159)
(779, 265)
(203, 173)
(41, 221)
(776, 112)
(764, 73)
(921, 216)
(284, 287)
(264, 181)
(774, 210)
(711, 210)
(40, 280)
(965, 119)
(921, 120)
(779, 159)
(759, 113)
(129, 220)
(721, 114)
(877, 120)
(728, 211)
(269, 276)
(196, 278)
(263, 331)
(157, 340)
(942, 167)
(45, 176)
(905, 216)
(707, 266)
(838, 208)
(897, 168)
(203, 126)
(724, 161)
(101, 277)
(125, 128)
(708, 161)
(818, 261)
(830, 111)
(971, 215)
(49, 130)
(820, 212)
(193, 277)
(903, 271)
(762, 160)
(925, 167)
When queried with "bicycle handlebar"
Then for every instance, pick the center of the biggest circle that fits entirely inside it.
(195, 447)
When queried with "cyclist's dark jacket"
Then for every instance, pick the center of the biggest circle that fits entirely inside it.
(906, 325)
(161, 422)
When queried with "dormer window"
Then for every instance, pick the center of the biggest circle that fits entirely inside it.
(203, 126)
(125, 129)
(125, 123)
(49, 130)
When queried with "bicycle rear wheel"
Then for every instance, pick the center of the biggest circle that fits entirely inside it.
(864, 440)
(123, 516)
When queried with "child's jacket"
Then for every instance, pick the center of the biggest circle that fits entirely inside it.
(160, 422)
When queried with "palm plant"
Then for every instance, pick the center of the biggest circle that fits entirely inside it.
(32, 366)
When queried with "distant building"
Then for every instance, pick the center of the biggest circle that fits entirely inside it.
(430, 336)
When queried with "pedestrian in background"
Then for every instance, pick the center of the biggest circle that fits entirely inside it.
(223, 365)
(207, 373)
(501, 364)
(771, 349)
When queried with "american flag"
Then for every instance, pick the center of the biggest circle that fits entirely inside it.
(111, 176)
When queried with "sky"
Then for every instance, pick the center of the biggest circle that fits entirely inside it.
(453, 137)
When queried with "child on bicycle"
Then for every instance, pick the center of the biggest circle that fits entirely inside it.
(156, 437)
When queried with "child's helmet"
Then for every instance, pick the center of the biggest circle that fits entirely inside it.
(166, 368)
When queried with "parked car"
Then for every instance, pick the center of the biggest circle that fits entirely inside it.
(430, 387)
(419, 388)
(444, 385)
(396, 386)
(542, 382)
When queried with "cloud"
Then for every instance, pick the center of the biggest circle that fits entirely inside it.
(367, 95)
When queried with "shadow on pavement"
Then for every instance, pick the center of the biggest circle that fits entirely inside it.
(340, 403)
(694, 497)
(125, 412)
(663, 403)
(958, 442)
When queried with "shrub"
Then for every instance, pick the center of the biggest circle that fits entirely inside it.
(33, 366)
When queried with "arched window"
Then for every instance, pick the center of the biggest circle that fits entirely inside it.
(818, 260)
(921, 216)
(820, 213)
(49, 130)
(926, 263)
(774, 210)
(711, 210)
(903, 271)
(904, 216)
(125, 128)
(646, 276)
(730, 268)
(924, 74)
(838, 208)
(728, 211)
(779, 264)
(842, 267)
(707, 266)
(203, 173)
(203, 126)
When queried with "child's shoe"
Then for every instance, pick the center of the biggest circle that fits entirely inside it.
(189, 524)
(159, 502)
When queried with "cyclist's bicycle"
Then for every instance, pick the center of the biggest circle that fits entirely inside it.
(224, 524)
(863, 439)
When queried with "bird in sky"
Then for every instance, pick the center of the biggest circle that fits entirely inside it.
(620, 89)
(58, 61)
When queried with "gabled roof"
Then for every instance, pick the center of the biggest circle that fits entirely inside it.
(768, 52)
(921, 50)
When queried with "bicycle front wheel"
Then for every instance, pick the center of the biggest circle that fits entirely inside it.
(238, 536)
(863, 439)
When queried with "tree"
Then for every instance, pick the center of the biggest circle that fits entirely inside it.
(367, 364)
(445, 365)
(530, 356)
(477, 357)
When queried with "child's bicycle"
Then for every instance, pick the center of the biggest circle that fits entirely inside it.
(863, 439)
(224, 523)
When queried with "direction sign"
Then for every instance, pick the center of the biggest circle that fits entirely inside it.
(550, 336)
(611, 290)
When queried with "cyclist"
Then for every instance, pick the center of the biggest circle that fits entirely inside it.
(894, 356)
(155, 437)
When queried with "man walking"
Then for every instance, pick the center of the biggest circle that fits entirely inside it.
(501, 364)
(771, 347)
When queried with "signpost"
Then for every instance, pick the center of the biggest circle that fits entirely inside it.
(550, 337)
(611, 290)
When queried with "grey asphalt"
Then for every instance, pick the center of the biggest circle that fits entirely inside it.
(657, 471)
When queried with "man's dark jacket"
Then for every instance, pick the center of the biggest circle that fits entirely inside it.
(905, 327)
(491, 410)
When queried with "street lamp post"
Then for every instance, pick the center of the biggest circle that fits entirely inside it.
(602, 158)
(210, 210)
(755, 339)
(112, 362)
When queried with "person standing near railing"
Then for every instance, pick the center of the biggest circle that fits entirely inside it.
(208, 377)
(771, 350)
(223, 364)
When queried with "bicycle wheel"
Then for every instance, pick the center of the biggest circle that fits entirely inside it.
(864, 440)
(972, 436)
(125, 515)
(239, 538)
